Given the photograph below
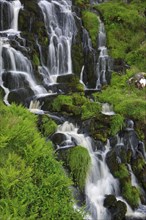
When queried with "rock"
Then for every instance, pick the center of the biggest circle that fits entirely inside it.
(109, 201)
(14, 80)
(98, 145)
(58, 138)
(19, 96)
(139, 79)
(117, 209)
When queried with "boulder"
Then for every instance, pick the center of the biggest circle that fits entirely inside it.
(117, 209)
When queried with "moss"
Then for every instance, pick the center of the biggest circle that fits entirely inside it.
(91, 23)
(122, 172)
(47, 126)
(79, 162)
(117, 122)
(60, 101)
(35, 60)
(127, 100)
(90, 109)
(125, 31)
(81, 3)
(138, 165)
(131, 194)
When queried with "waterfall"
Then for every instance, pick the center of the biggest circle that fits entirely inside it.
(16, 71)
(61, 28)
(99, 181)
(103, 65)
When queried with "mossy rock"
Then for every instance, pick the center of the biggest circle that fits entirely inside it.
(90, 109)
(112, 162)
(46, 125)
(131, 194)
(122, 172)
(99, 127)
(117, 209)
(81, 3)
(70, 83)
(79, 162)
(91, 23)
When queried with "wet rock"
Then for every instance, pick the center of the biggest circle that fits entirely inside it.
(130, 141)
(112, 161)
(19, 96)
(117, 209)
(69, 83)
(58, 138)
(14, 80)
(98, 145)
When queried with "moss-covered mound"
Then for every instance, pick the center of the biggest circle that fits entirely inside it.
(77, 160)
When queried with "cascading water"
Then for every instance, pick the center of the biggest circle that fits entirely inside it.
(14, 65)
(101, 61)
(107, 109)
(103, 67)
(61, 28)
(99, 181)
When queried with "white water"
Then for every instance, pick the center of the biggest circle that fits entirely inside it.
(103, 64)
(107, 109)
(12, 61)
(61, 28)
(99, 181)
(133, 177)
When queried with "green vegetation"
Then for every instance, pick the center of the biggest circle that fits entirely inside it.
(131, 194)
(33, 184)
(78, 160)
(125, 31)
(36, 60)
(117, 123)
(76, 104)
(47, 126)
(122, 172)
(81, 3)
(128, 101)
(90, 109)
(91, 23)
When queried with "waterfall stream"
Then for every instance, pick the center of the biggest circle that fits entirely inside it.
(100, 181)
(14, 65)
(61, 28)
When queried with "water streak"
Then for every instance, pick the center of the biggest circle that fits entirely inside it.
(61, 28)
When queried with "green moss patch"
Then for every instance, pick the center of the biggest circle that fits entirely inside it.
(91, 23)
(79, 161)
